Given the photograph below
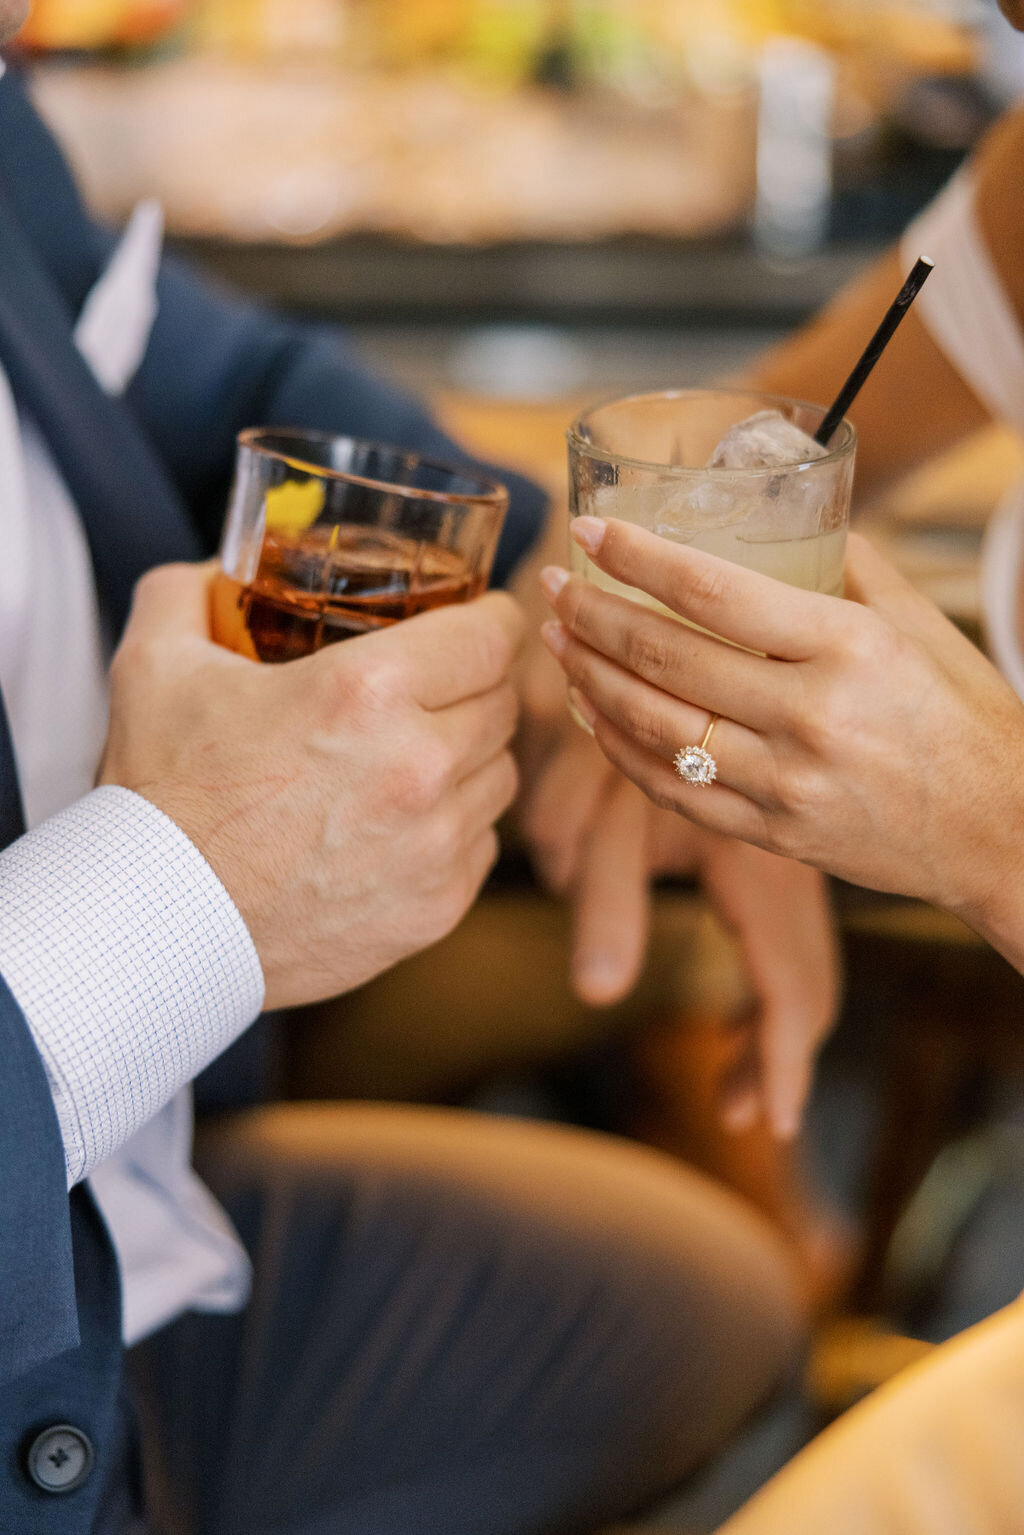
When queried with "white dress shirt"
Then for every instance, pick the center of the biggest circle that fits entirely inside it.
(128, 958)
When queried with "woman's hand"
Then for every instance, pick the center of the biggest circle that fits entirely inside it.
(867, 737)
(598, 841)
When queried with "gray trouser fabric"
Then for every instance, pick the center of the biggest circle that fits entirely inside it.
(459, 1326)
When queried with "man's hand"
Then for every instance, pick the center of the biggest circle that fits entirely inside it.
(346, 801)
(596, 838)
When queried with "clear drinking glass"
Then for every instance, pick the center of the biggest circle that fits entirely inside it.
(328, 537)
(644, 459)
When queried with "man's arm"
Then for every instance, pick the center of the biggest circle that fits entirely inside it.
(129, 961)
(216, 364)
(256, 848)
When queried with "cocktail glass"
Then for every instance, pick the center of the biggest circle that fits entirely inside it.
(644, 459)
(328, 537)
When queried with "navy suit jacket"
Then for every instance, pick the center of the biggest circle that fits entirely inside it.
(213, 366)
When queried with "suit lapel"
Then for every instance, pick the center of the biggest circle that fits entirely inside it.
(132, 514)
(12, 814)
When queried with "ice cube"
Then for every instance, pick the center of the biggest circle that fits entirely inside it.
(676, 509)
(713, 502)
(765, 440)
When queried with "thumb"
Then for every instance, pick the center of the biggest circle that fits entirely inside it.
(173, 599)
(612, 899)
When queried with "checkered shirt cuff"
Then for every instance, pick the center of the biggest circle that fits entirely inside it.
(129, 960)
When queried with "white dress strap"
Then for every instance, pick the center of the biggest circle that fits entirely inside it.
(963, 305)
(965, 310)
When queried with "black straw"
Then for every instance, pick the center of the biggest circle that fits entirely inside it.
(874, 349)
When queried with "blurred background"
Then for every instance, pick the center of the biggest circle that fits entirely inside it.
(528, 197)
(516, 206)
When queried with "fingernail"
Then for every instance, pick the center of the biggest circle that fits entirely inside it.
(597, 978)
(552, 579)
(583, 706)
(588, 531)
(786, 1122)
(555, 637)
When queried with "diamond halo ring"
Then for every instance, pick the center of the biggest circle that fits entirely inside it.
(695, 764)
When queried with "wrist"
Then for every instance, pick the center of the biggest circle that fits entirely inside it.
(993, 902)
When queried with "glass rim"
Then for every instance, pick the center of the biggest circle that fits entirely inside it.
(574, 435)
(494, 495)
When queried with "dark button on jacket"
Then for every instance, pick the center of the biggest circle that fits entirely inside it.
(60, 1458)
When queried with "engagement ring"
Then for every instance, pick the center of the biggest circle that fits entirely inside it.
(695, 764)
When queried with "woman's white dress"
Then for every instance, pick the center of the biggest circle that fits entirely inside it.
(940, 1451)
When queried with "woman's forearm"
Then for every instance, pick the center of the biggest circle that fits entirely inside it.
(996, 910)
(914, 406)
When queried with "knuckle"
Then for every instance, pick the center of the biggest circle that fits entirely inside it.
(869, 643)
(475, 872)
(663, 796)
(507, 621)
(161, 583)
(420, 778)
(492, 852)
(507, 785)
(451, 905)
(375, 683)
(441, 839)
(501, 718)
(830, 722)
(705, 585)
(490, 647)
(154, 581)
(509, 712)
(802, 791)
(491, 653)
(575, 605)
(122, 663)
(641, 723)
(647, 653)
(136, 656)
(776, 834)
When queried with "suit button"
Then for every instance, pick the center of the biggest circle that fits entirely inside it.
(60, 1458)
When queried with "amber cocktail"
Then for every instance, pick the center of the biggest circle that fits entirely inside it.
(328, 537)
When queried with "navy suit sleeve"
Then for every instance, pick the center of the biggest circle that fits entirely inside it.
(216, 365)
(38, 1310)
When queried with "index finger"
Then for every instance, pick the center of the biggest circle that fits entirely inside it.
(175, 597)
(739, 605)
(611, 908)
(455, 652)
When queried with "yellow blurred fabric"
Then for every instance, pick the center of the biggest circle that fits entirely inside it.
(936, 1452)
